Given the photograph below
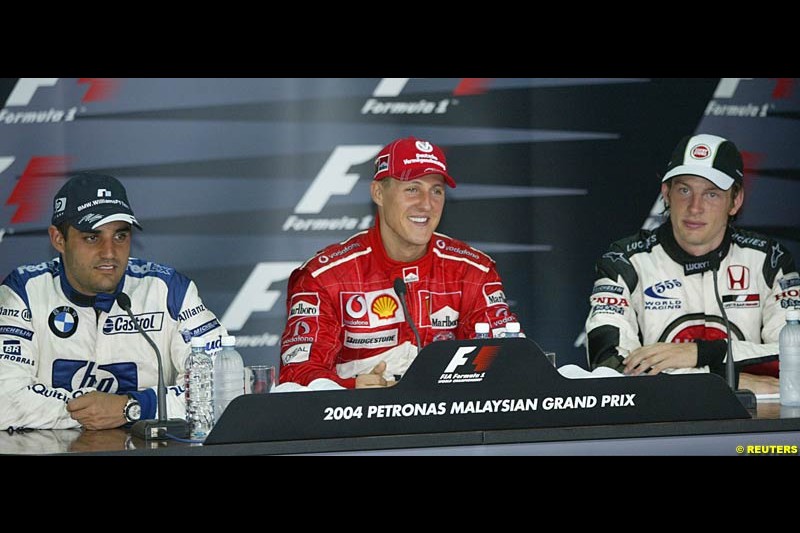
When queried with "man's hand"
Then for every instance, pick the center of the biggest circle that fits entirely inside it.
(655, 358)
(374, 378)
(98, 410)
(759, 384)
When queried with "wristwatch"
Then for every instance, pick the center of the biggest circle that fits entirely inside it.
(132, 410)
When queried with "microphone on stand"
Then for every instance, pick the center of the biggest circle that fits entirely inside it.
(745, 396)
(159, 428)
(400, 289)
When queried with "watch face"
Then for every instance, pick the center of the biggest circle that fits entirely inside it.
(133, 412)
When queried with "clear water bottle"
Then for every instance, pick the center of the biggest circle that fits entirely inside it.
(789, 349)
(228, 375)
(512, 330)
(481, 330)
(199, 384)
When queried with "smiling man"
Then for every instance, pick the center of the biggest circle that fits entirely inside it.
(654, 308)
(346, 322)
(71, 356)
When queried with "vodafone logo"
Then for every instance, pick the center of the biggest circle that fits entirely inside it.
(701, 151)
(356, 306)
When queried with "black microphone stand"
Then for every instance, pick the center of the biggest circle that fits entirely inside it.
(161, 428)
(746, 397)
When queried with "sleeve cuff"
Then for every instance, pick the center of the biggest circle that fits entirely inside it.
(147, 399)
(712, 354)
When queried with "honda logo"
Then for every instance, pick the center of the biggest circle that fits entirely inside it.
(738, 278)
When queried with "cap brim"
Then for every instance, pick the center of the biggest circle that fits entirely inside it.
(717, 177)
(117, 217)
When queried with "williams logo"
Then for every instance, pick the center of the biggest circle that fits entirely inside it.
(481, 363)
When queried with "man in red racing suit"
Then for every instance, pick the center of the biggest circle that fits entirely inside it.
(346, 322)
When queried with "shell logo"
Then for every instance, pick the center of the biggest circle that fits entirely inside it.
(384, 307)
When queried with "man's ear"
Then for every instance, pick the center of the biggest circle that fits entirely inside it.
(56, 239)
(737, 202)
(376, 191)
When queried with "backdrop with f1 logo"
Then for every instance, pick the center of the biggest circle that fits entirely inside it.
(238, 181)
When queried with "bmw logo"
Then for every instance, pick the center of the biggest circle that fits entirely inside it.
(63, 321)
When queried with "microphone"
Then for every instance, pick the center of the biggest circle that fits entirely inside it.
(745, 397)
(159, 428)
(400, 289)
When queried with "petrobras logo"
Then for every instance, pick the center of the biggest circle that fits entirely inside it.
(12, 347)
(361, 341)
(304, 304)
(121, 324)
(493, 294)
(387, 98)
(38, 100)
(370, 309)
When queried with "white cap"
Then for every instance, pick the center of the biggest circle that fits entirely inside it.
(793, 314)
(482, 327)
(229, 340)
(512, 327)
(198, 342)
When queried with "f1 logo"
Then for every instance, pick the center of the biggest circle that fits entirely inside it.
(738, 277)
(459, 358)
(25, 89)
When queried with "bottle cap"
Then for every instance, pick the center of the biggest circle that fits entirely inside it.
(793, 314)
(482, 327)
(229, 340)
(198, 342)
(512, 327)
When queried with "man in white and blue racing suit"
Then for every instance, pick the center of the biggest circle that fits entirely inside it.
(71, 356)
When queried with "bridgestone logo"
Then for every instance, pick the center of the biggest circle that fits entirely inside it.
(371, 340)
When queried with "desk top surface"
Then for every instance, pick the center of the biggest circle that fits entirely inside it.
(771, 418)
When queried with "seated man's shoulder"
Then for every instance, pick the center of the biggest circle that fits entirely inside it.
(450, 249)
(642, 241)
(20, 276)
(754, 240)
(142, 268)
(340, 253)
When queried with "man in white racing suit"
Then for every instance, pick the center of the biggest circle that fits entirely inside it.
(71, 356)
(653, 305)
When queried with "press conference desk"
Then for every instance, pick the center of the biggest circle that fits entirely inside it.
(772, 426)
